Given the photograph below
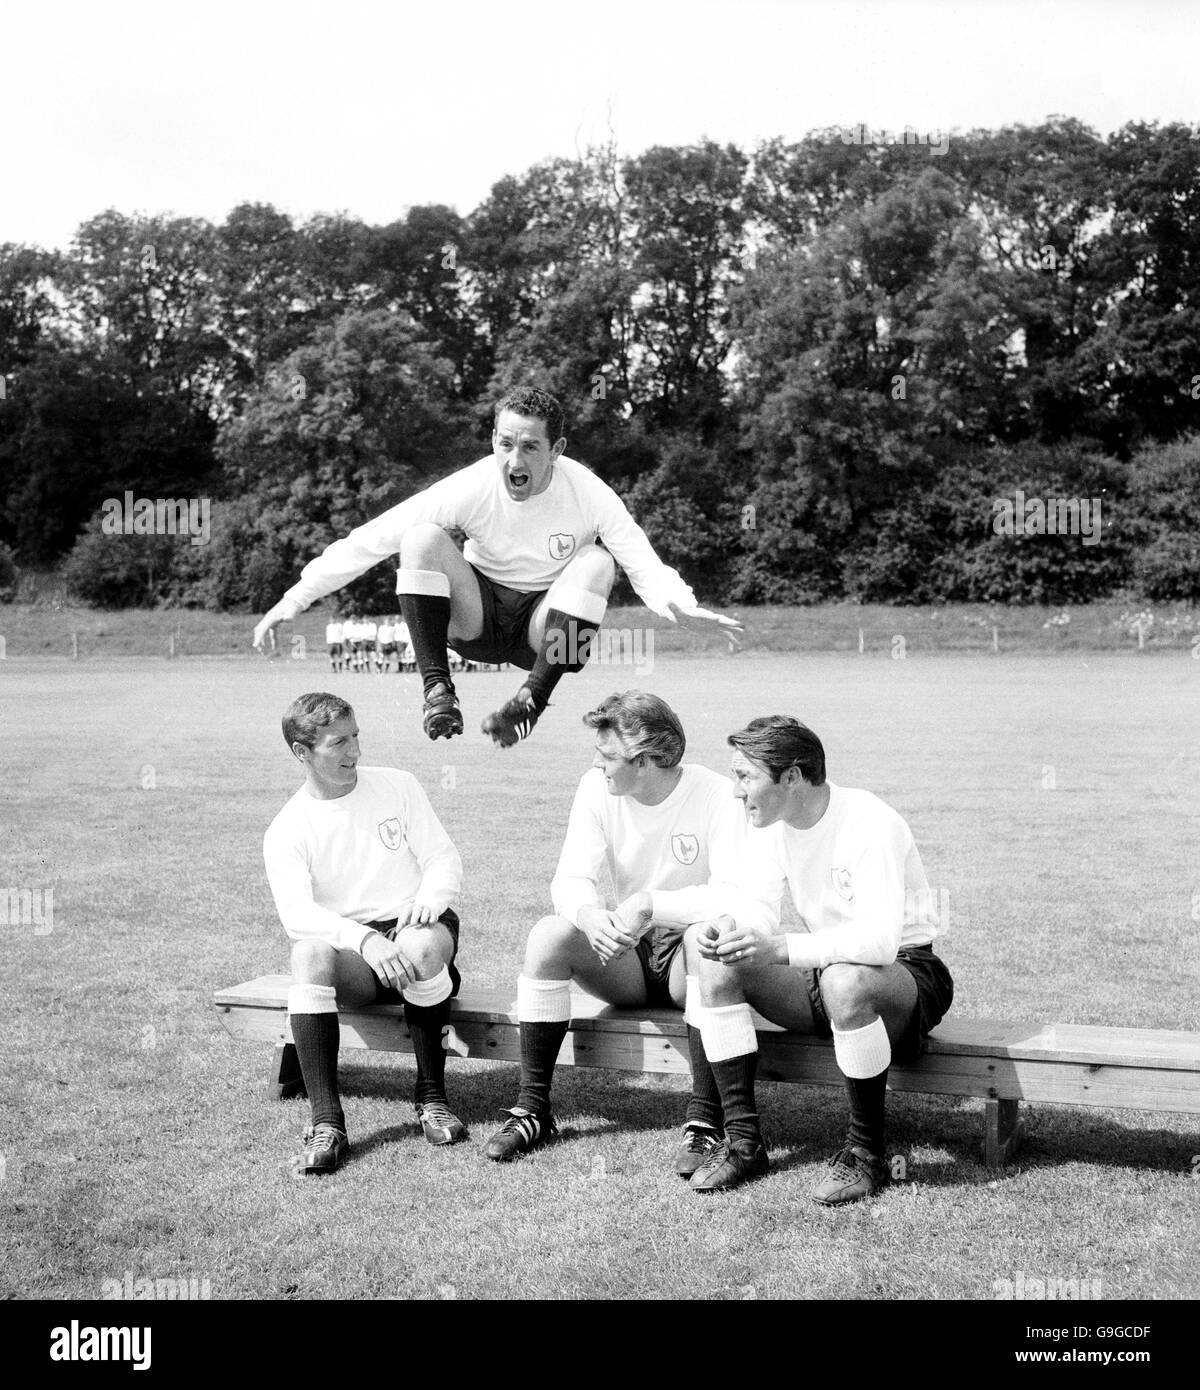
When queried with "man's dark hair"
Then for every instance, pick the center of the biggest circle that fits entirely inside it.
(535, 405)
(307, 715)
(644, 723)
(778, 742)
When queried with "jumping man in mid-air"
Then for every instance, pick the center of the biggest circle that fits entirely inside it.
(531, 585)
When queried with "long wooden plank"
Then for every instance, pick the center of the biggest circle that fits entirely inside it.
(784, 1057)
(1076, 1043)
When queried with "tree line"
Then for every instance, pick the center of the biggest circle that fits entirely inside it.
(814, 370)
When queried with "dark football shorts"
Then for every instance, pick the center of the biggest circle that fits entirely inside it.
(384, 994)
(387, 648)
(935, 993)
(335, 649)
(657, 951)
(505, 634)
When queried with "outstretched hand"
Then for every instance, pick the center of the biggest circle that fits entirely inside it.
(705, 620)
(264, 633)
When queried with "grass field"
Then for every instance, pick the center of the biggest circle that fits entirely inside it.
(50, 627)
(1055, 798)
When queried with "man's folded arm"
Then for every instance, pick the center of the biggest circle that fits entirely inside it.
(874, 934)
(441, 864)
(304, 919)
(576, 879)
(745, 883)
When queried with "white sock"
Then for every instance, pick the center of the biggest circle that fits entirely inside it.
(312, 999)
(543, 1001)
(863, 1052)
(576, 602)
(726, 1032)
(425, 993)
(691, 1001)
(432, 582)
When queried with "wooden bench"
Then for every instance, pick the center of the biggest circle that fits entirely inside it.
(1001, 1063)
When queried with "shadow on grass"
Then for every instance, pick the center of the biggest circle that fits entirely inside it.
(803, 1125)
(585, 1106)
(381, 1138)
(1054, 1136)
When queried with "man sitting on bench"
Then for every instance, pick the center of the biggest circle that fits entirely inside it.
(363, 876)
(864, 970)
(660, 826)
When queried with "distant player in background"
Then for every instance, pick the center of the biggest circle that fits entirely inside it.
(333, 640)
(659, 826)
(404, 649)
(360, 640)
(370, 634)
(531, 585)
(387, 644)
(363, 877)
(349, 633)
(864, 971)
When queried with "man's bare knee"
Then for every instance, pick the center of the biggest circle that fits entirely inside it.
(592, 568)
(848, 992)
(720, 985)
(421, 545)
(551, 946)
(425, 947)
(314, 963)
(691, 949)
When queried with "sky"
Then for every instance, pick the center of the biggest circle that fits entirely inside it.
(371, 108)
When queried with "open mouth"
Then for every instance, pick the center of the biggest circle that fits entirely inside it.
(518, 481)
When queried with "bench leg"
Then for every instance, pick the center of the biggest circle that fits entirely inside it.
(1002, 1131)
(285, 1080)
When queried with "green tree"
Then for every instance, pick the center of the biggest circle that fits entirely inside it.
(259, 289)
(343, 428)
(1149, 347)
(686, 217)
(418, 265)
(1039, 197)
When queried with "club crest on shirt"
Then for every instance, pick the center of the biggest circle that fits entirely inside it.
(390, 832)
(685, 848)
(561, 545)
(841, 881)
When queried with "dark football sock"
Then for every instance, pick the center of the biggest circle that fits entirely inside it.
(316, 1037)
(428, 619)
(735, 1083)
(704, 1103)
(425, 1025)
(540, 1046)
(566, 646)
(868, 1099)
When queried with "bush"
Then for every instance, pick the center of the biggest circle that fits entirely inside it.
(1165, 506)
(939, 543)
(119, 571)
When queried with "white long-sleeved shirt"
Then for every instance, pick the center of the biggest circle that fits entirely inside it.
(689, 839)
(334, 866)
(522, 545)
(855, 877)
